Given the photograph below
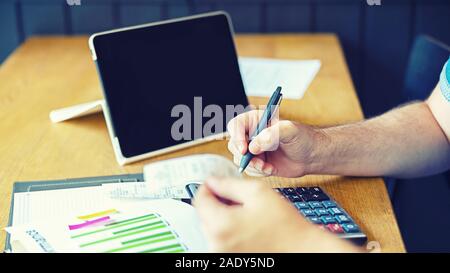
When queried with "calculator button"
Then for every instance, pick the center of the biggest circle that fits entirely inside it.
(342, 218)
(302, 190)
(289, 191)
(321, 212)
(328, 220)
(335, 228)
(335, 211)
(308, 212)
(301, 205)
(350, 228)
(316, 190)
(313, 197)
(294, 198)
(329, 204)
(315, 220)
(315, 204)
(318, 197)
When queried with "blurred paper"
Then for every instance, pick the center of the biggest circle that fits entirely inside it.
(140, 190)
(261, 76)
(174, 174)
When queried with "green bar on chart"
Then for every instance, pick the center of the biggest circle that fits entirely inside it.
(137, 227)
(154, 241)
(122, 235)
(147, 237)
(109, 227)
(157, 249)
(131, 219)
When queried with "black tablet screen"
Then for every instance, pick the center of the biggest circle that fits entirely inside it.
(149, 73)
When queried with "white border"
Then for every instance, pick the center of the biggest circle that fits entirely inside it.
(121, 159)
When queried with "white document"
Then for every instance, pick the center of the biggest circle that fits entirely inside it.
(48, 213)
(173, 175)
(262, 76)
(168, 178)
(139, 190)
(59, 204)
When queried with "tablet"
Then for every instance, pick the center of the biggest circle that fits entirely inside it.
(163, 83)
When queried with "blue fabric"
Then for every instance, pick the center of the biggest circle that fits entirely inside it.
(422, 205)
(445, 81)
(448, 71)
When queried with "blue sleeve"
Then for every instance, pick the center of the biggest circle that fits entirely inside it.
(445, 81)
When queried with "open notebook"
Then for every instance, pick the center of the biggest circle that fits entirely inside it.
(118, 217)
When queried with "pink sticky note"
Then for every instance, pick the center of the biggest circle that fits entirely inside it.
(89, 223)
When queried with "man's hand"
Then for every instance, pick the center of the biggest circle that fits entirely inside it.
(282, 149)
(259, 221)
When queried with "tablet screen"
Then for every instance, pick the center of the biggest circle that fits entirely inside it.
(159, 81)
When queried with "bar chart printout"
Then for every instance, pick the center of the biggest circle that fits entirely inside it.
(84, 225)
(148, 233)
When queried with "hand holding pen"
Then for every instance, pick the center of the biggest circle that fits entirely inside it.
(268, 146)
(273, 103)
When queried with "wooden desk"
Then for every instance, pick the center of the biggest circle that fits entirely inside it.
(46, 73)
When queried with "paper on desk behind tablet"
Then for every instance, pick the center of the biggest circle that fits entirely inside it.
(261, 76)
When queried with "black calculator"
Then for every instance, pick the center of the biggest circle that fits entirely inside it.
(318, 208)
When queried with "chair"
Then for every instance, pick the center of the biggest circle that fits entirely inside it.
(422, 205)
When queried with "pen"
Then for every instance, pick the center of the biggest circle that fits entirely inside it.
(274, 101)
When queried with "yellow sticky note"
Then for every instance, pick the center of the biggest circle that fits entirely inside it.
(97, 214)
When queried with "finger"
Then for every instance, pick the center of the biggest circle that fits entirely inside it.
(238, 133)
(235, 190)
(257, 166)
(207, 204)
(251, 167)
(261, 165)
(241, 126)
(235, 151)
(267, 140)
(253, 172)
(266, 171)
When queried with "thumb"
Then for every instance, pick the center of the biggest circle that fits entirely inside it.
(269, 139)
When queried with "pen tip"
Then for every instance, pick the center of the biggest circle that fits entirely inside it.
(241, 170)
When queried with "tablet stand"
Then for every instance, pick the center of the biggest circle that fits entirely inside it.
(77, 111)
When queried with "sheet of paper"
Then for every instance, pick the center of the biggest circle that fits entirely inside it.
(261, 76)
(139, 190)
(41, 227)
(171, 176)
(59, 204)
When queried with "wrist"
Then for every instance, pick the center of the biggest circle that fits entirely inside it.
(317, 158)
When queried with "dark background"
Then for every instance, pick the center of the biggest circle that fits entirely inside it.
(376, 39)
